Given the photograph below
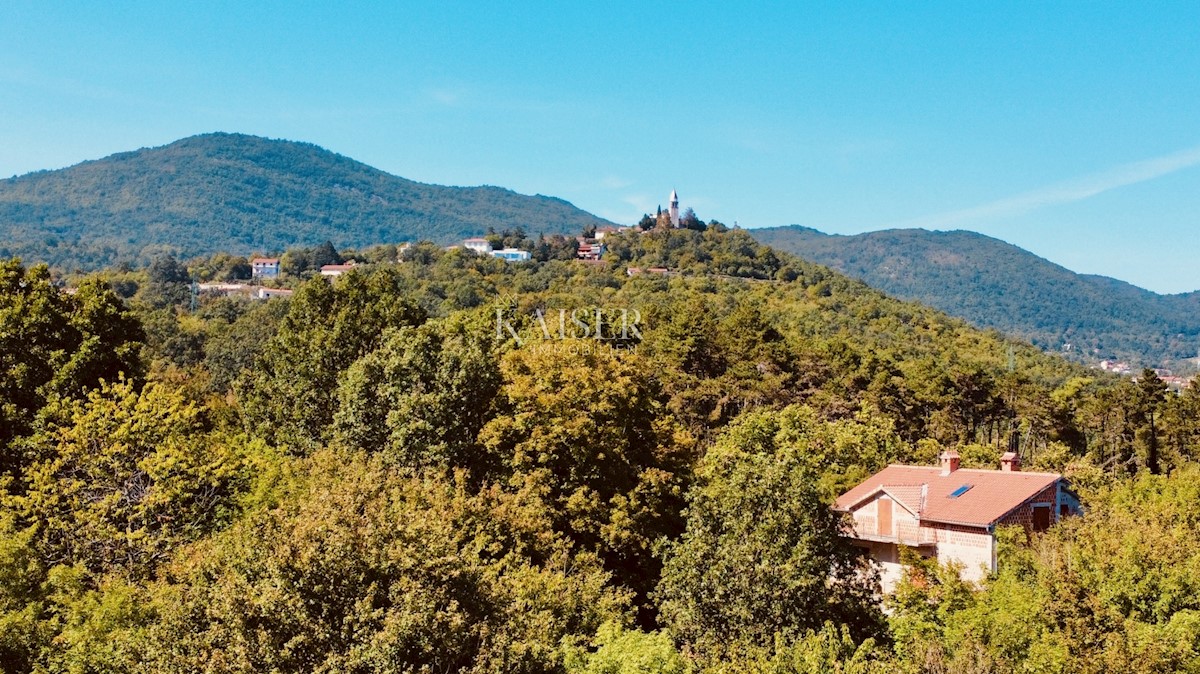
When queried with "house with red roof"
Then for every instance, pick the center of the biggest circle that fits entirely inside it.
(588, 249)
(331, 270)
(950, 513)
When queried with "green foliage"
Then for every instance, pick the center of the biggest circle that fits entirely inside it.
(997, 285)
(233, 340)
(623, 651)
(376, 476)
(305, 261)
(367, 570)
(95, 629)
(291, 395)
(221, 267)
(169, 283)
(236, 193)
(125, 478)
(763, 555)
(832, 648)
(54, 344)
(582, 426)
(21, 576)
(422, 397)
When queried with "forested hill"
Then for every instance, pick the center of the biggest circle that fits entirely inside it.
(242, 194)
(995, 284)
(407, 468)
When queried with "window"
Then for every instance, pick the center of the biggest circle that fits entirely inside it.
(960, 491)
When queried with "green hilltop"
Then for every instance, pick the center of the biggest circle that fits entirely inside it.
(245, 194)
(998, 285)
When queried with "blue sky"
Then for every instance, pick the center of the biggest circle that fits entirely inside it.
(1070, 129)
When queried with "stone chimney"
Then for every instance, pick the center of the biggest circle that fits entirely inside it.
(1010, 462)
(949, 459)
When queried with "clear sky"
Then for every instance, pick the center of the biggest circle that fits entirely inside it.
(1070, 129)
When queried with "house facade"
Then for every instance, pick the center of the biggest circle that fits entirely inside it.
(589, 249)
(950, 513)
(264, 267)
(511, 254)
(478, 245)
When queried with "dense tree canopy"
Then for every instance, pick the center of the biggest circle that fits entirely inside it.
(436, 462)
(763, 555)
(56, 345)
(998, 285)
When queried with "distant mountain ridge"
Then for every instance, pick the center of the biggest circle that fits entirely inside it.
(995, 284)
(240, 193)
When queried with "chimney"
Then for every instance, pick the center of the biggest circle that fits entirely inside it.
(1010, 462)
(949, 459)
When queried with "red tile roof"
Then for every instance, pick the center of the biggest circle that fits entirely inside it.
(992, 493)
(912, 497)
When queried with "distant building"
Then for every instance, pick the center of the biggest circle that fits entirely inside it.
(479, 245)
(589, 250)
(242, 289)
(1176, 382)
(223, 289)
(262, 293)
(673, 209)
(332, 270)
(602, 232)
(264, 267)
(1115, 367)
(949, 513)
(511, 254)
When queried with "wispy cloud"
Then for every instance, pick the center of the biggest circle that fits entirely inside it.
(1066, 192)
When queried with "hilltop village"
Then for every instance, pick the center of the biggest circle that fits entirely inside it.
(259, 277)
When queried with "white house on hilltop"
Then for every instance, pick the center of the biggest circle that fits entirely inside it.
(264, 267)
(511, 254)
(482, 246)
(479, 245)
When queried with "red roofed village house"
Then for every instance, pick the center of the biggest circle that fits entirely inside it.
(950, 513)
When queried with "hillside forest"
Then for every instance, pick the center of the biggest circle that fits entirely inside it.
(235, 193)
(994, 284)
(444, 462)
